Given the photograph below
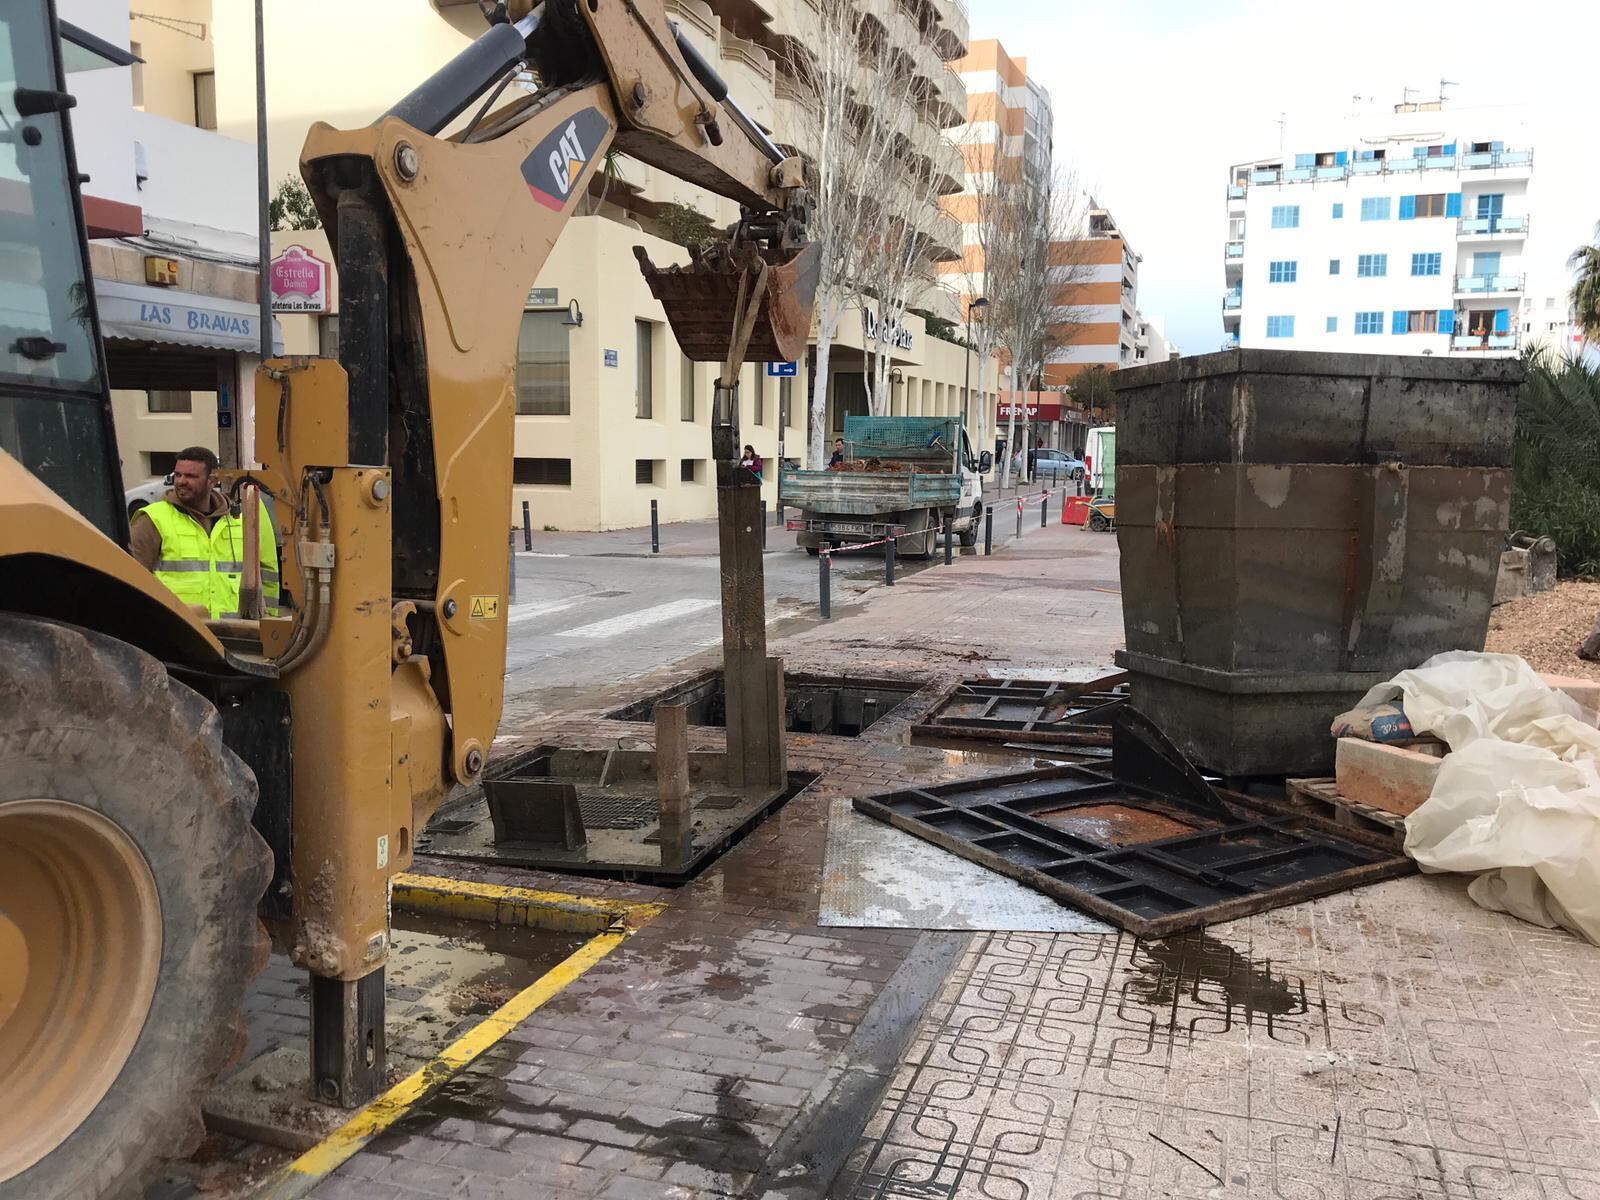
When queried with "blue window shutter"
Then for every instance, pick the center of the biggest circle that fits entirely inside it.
(1502, 320)
(1399, 323)
(1496, 147)
(1452, 204)
(1447, 320)
(1408, 208)
(1304, 160)
(1343, 157)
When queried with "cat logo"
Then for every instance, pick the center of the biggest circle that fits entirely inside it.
(485, 608)
(557, 164)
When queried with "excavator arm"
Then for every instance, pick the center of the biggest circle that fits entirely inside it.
(392, 466)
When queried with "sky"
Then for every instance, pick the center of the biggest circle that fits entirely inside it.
(1155, 99)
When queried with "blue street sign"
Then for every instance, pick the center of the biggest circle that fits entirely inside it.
(786, 370)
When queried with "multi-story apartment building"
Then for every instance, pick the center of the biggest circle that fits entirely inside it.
(1401, 233)
(1097, 320)
(610, 415)
(171, 215)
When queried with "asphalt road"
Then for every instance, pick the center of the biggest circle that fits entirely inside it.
(595, 609)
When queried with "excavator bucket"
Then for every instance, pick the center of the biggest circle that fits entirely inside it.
(702, 300)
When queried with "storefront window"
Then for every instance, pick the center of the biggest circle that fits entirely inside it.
(849, 398)
(544, 376)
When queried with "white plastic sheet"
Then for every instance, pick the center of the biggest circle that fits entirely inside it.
(1518, 797)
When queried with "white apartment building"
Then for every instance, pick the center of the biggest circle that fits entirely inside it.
(1401, 233)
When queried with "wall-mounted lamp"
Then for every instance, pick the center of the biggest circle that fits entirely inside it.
(895, 377)
(574, 314)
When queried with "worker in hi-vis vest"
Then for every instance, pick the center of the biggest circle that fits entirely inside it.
(194, 543)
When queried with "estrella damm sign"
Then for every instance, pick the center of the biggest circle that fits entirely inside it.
(557, 163)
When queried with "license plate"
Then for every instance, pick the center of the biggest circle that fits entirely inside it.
(848, 527)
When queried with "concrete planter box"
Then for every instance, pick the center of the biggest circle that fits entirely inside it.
(1296, 527)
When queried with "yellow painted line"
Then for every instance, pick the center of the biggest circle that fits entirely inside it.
(506, 905)
(316, 1164)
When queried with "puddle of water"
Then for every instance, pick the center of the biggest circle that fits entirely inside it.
(442, 969)
(1176, 969)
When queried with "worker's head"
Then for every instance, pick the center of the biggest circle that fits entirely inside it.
(191, 474)
(838, 443)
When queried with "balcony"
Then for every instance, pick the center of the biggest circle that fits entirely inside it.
(1438, 162)
(1481, 343)
(1508, 227)
(1236, 191)
(1481, 284)
(1232, 300)
(1265, 176)
(1234, 250)
(1496, 160)
(1230, 343)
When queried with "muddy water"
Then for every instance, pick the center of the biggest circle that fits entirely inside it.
(442, 973)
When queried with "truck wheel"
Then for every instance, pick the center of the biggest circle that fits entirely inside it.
(129, 876)
(813, 551)
(969, 535)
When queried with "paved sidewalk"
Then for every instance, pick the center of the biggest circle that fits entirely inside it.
(1395, 1041)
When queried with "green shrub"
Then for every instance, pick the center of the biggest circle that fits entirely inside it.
(1556, 484)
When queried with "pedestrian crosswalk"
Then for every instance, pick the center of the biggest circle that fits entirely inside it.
(631, 622)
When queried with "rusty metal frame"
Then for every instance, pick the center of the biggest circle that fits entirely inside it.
(1061, 714)
(1240, 856)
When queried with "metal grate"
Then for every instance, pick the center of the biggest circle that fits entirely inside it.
(611, 811)
(1149, 846)
(1042, 712)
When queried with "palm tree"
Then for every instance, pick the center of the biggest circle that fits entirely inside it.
(1585, 263)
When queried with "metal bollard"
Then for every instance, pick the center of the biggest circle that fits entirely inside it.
(527, 528)
(888, 560)
(655, 530)
(824, 584)
(511, 558)
(1044, 503)
(1019, 516)
(777, 515)
(949, 536)
(763, 524)
(988, 532)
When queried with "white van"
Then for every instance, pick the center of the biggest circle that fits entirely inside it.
(1100, 456)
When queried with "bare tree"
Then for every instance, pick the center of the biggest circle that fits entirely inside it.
(852, 115)
(896, 270)
(1038, 273)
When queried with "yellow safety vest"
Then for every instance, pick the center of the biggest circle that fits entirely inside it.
(204, 568)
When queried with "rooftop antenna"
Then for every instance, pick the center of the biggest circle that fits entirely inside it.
(1444, 83)
(1405, 95)
(1282, 118)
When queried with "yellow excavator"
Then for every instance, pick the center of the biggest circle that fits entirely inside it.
(166, 780)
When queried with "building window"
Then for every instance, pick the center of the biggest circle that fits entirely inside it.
(169, 402)
(1286, 216)
(555, 472)
(758, 395)
(1372, 266)
(686, 389)
(848, 397)
(1282, 271)
(1333, 325)
(1425, 264)
(1430, 205)
(1369, 322)
(205, 99)
(544, 376)
(328, 335)
(1425, 320)
(689, 470)
(165, 462)
(1338, 211)
(1280, 327)
(644, 362)
(644, 470)
(1375, 208)
(1333, 266)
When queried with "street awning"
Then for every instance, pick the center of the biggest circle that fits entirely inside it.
(137, 313)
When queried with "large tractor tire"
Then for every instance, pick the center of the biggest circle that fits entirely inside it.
(129, 876)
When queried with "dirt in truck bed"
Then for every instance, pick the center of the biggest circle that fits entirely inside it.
(872, 464)
(1547, 627)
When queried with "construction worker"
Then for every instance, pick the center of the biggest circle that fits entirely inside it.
(194, 543)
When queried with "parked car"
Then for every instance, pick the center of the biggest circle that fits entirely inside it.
(1057, 466)
(147, 493)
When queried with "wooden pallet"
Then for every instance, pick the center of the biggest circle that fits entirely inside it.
(1321, 796)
